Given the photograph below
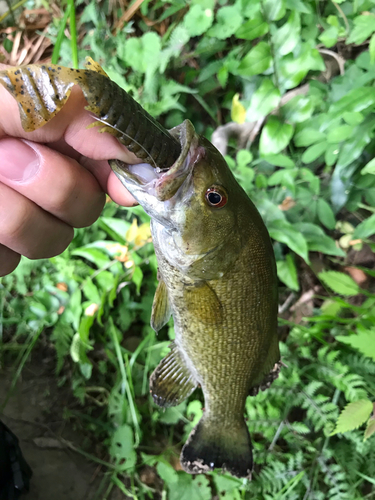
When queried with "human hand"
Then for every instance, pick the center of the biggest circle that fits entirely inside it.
(53, 179)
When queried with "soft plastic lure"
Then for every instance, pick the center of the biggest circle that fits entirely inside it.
(42, 90)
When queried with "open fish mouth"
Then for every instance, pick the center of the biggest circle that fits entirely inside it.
(163, 184)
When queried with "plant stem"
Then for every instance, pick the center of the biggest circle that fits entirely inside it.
(73, 33)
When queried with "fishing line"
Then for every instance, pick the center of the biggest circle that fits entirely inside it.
(126, 135)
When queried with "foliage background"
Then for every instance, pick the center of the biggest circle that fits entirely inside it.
(294, 79)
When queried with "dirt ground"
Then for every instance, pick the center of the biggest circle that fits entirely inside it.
(34, 414)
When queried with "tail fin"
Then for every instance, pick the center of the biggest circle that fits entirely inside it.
(210, 446)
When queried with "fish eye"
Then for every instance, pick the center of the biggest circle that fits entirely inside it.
(216, 197)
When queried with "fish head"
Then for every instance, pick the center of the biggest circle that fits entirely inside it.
(194, 206)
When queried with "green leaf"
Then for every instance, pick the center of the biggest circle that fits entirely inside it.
(329, 36)
(228, 20)
(339, 282)
(331, 155)
(353, 416)
(198, 20)
(91, 292)
(287, 272)
(122, 446)
(313, 152)
(353, 118)
(137, 278)
(222, 76)
(308, 136)
(370, 428)
(227, 484)
(325, 214)
(143, 53)
(254, 28)
(78, 349)
(317, 240)
(173, 414)
(364, 342)
(206, 4)
(357, 99)
(188, 488)
(365, 229)
(286, 38)
(339, 134)
(285, 233)
(284, 178)
(353, 148)
(298, 109)
(364, 27)
(167, 473)
(299, 6)
(100, 259)
(293, 69)
(257, 60)
(244, 157)
(275, 136)
(369, 168)
(263, 101)
(372, 49)
(274, 9)
(280, 160)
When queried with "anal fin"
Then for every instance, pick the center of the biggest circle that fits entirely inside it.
(171, 382)
(161, 308)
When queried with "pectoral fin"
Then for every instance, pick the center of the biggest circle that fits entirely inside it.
(161, 307)
(171, 381)
(202, 302)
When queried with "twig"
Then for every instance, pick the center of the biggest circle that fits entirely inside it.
(289, 300)
(128, 14)
(340, 60)
(343, 16)
(306, 297)
(9, 12)
(277, 435)
(247, 132)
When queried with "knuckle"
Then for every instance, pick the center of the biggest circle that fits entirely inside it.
(66, 193)
(16, 225)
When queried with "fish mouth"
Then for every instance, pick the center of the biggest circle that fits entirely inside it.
(163, 184)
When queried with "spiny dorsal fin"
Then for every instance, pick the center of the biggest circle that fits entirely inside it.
(161, 307)
(171, 381)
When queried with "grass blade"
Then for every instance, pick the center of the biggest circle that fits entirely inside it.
(60, 37)
(73, 33)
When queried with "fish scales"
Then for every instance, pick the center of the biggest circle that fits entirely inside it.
(223, 355)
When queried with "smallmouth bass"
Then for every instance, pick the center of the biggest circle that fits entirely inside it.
(217, 272)
(217, 278)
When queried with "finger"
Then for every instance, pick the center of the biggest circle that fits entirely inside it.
(9, 260)
(70, 124)
(118, 193)
(28, 230)
(109, 181)
(57, 183)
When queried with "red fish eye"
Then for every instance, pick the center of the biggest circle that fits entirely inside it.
(216, 197)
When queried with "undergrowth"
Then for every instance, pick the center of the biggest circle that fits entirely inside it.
(303, 72)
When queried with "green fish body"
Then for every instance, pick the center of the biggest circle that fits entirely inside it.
(217, 278)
